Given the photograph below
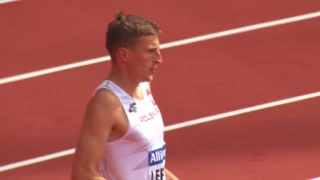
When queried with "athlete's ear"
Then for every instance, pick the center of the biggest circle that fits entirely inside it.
(123, 54)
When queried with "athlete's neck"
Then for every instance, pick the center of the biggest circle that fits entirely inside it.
(130, 86)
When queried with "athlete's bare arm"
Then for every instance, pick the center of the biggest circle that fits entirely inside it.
(99, 120)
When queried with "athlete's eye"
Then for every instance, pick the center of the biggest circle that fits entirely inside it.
(152, 50)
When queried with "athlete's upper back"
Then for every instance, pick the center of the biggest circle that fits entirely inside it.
(140, 153)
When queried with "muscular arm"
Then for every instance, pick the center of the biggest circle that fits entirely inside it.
(98, 122)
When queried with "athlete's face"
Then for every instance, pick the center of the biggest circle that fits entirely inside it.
(145, 58)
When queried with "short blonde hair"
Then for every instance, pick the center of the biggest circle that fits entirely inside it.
(125, 30)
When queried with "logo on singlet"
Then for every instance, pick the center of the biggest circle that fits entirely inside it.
(133, 107)
(157, 156)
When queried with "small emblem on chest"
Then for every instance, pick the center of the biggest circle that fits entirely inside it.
(133, 107)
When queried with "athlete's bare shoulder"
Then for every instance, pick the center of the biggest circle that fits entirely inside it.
(100, 118)
(104, 104)
(106, 97)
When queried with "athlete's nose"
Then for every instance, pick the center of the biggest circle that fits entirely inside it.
(159, 57)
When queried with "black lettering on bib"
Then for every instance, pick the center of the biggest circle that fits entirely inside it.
(157, 174)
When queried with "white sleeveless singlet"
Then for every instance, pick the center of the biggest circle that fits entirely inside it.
(140, 154)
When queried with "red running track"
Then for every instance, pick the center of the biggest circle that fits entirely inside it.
(43, 115)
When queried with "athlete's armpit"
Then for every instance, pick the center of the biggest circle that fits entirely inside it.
(98, 121)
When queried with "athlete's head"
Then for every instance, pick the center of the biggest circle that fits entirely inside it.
(133, 42)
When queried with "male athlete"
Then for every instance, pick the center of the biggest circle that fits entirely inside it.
(122, 133)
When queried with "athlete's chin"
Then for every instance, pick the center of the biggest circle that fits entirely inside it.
(149, 78)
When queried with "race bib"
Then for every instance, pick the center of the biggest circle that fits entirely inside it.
(156, 163)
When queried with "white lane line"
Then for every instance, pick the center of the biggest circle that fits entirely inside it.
(241, 111)
(6, 1)
(164, 46)
(171, 128)
(52, 70)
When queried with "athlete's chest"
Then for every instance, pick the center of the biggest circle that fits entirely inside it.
(145, 121)
(145, 115)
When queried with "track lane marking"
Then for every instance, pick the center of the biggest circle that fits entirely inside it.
(163, 46)
(7, 1)
(171, 128)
